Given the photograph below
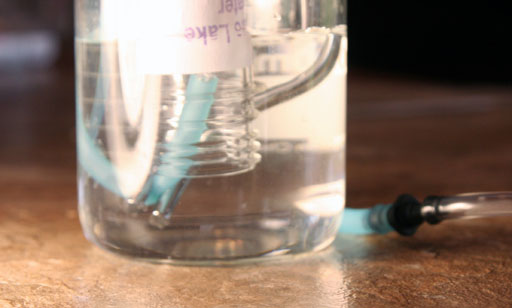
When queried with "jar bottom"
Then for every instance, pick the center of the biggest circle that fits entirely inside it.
(228, 240)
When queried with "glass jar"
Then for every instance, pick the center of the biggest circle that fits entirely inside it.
(210, 130)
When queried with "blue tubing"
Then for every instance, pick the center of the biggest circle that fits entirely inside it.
(356, 221)
(366, 221)
(199, 100)
(92, 159)
(101, 169)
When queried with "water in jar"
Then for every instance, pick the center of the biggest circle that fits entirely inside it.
(260, 183)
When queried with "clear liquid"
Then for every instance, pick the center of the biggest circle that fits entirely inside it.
(284, 198)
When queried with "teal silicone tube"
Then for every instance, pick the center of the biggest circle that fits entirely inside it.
(192, 124)
(366, 221)
(199, 93)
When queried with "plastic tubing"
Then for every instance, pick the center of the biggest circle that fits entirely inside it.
(468, 206)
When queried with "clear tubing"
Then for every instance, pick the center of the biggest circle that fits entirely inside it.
(472, 205)
(434, 210)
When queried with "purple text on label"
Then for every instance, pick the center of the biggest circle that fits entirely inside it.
(228, 6)
(214, 31)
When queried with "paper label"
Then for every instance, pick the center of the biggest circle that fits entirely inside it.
(186, 37)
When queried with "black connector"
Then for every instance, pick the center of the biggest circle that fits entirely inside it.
(405, 215)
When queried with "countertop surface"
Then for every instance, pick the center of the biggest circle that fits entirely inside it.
(404, 135)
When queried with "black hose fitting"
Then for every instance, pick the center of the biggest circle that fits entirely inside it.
(405, 215)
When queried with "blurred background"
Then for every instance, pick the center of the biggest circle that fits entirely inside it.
(35, 34)
(459, 41)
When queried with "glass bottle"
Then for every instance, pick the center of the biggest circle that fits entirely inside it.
(210, 130)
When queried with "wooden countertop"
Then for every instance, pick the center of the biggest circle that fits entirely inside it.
(403, 136)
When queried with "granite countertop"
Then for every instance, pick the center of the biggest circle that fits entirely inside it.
(404, 136)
